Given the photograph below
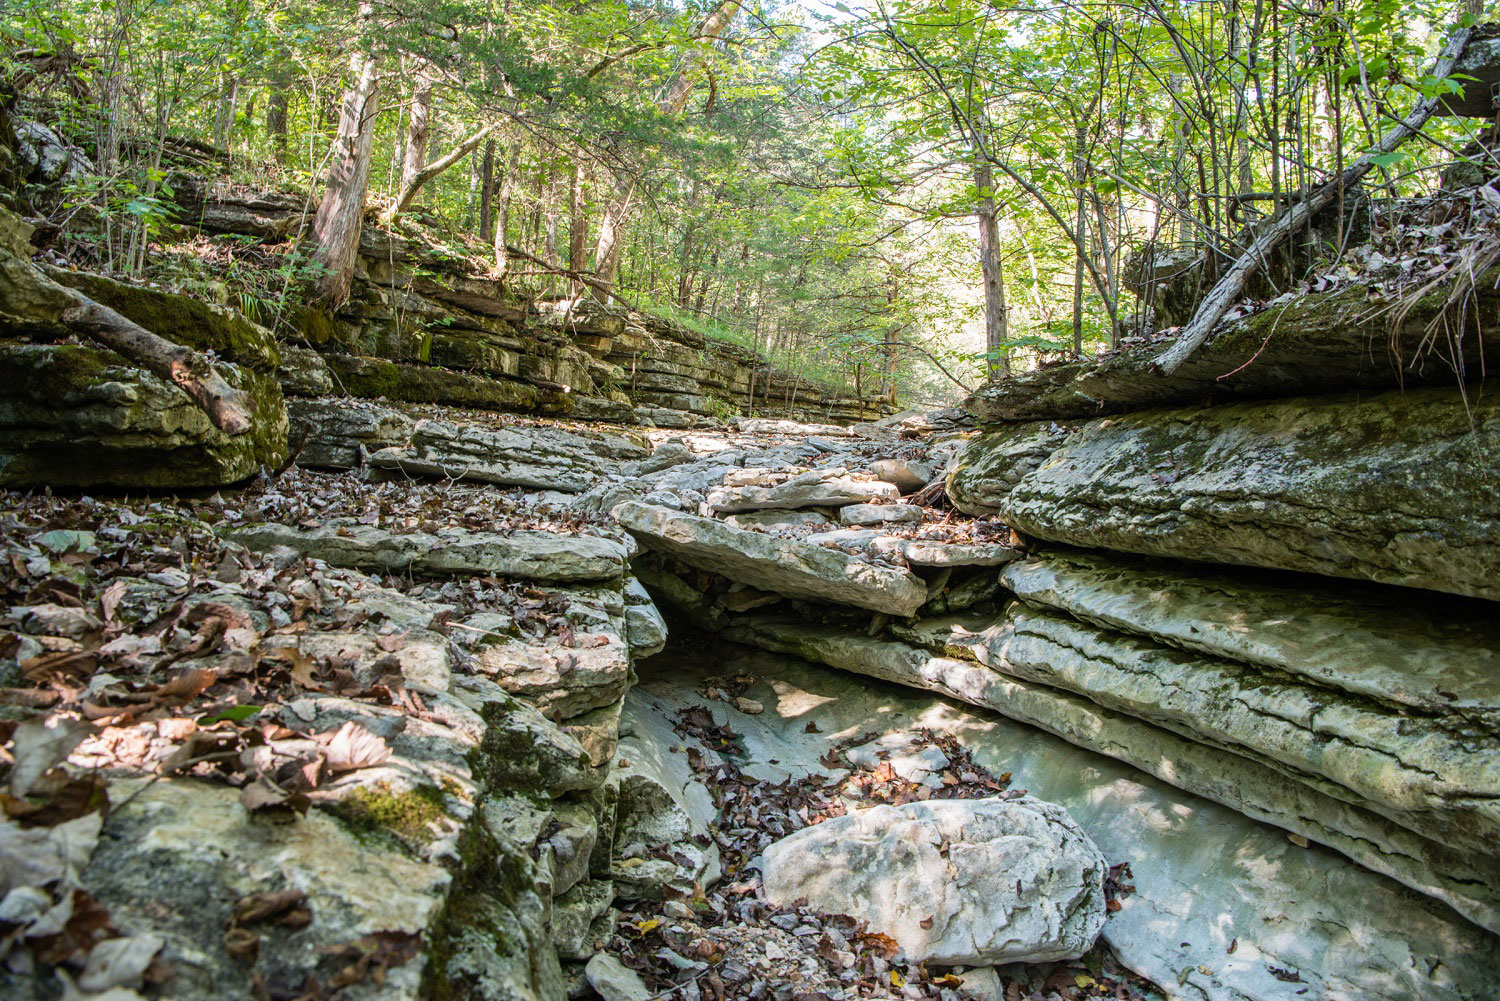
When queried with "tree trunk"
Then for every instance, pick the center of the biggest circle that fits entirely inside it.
(549, 230)
(277, 105)
(337, 225)
(611, 227)
(995, 320)
(1080, 224)
(487, 193)
(229, 95)
(578, 232)
(502, 210)
(418, 129)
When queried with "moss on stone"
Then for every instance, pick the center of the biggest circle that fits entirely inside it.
(408, 813)
(181, 319)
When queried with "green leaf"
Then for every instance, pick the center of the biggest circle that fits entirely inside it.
(237, 714)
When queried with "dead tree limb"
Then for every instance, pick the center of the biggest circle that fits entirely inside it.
(1232, 285)
(231, 410)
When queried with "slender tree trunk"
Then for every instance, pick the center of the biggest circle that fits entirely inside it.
(578, 231)
(277, 107)
(229, 96)
(549, 233)
(337, 225)
(995, 320)
(671, 103)
(487, 193)
(502, 210)
(418, 128)
(703, 285)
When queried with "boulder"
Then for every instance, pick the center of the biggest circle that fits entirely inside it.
(1396, 487)
(907, 476)
(612, 980)
(531, 555)
(971, 882)
(814, 488)
(785, 566)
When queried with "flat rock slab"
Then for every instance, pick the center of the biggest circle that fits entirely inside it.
(1397, 488)
(879, 514)
(955, 882)
(933, 553)
(815, 488)
(542, 458)
(785, 566)
(529, 555)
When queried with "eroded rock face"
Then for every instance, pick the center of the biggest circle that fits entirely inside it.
(986, 470)
(1220, 900)
(531, 555)
(954, 656)
(1397, 488)
(1423, 654)
(782, 565)
(993, 880)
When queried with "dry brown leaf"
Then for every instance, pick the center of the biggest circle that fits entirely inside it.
(352, 747)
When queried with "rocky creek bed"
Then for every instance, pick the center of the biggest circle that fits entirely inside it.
(1107, 687)
(404, 720)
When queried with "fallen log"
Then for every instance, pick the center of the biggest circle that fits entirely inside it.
(231, 410)
(1230, 287)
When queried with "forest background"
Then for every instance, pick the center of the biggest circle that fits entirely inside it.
(909, 196)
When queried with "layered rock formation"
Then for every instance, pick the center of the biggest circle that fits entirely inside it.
(420, 327)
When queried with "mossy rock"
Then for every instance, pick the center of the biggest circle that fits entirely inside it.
(73, 415)
(202, 326)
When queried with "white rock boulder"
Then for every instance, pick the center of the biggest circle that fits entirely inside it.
(970, 882)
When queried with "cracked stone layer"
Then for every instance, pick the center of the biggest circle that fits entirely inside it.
(1466, 881)
(1398, 488)
(1441, 784)
(1428, 655)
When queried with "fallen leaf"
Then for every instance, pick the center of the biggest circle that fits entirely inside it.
(38, 747)
(119, 962)
(352, 747)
